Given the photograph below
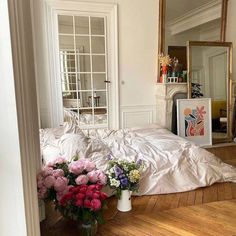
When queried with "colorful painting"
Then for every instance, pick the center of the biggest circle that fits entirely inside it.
(194, 121)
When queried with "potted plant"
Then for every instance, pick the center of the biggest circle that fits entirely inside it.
(76, 190)
(123, 177)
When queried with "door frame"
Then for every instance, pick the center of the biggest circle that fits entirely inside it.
(51, 9)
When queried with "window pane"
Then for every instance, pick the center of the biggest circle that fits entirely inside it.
(68, 78)
(98, 44)
(85, 99)
(100, 116)
(98, 81)
(100, 99)
(82, 44)
(84, 63)
(84, 81)
(98, 63)
(86, 117)
(66, 42)
(65, 24)
(67, 62)
(97, 25)
(81, 25)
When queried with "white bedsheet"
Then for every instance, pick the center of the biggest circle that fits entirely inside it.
(172, 164)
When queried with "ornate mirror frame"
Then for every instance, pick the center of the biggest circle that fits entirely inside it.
(229, 78)
(162, 13)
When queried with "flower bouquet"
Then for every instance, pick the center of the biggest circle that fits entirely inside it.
(75, 188)
(123, 177)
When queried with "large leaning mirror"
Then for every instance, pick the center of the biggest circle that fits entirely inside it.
(190, 20)
(209, 73)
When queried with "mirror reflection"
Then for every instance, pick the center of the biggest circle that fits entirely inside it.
(82, 49)
(209, 68)
(195, 20)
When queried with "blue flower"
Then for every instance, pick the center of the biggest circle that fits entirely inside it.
(118, 171)
(124, 182)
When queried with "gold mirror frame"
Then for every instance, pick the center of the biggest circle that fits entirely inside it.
(229, 45)
(162, 13)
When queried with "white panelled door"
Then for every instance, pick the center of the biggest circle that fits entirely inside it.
(83, 55)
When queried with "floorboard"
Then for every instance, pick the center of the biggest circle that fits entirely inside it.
(201, 212)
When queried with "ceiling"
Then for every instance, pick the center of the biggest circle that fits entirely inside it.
(176, 8)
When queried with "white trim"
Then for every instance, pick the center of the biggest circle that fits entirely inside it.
(201, 15)
(51, 9)
(27, 112)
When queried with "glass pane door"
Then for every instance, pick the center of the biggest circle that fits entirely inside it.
(83, 68)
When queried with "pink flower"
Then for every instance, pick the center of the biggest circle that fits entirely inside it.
(59, 160)
(42, 192)
(47, 171)
(96, 204)
(49, 181)
(92, 187)
(103, 196)
(89, 166)
(87, 203)
(40, 183)
(79, 203)
(61, 184)
(58, 173)
(96, 196)
(76, 167)
(80, 196)
(93, 177)
(82, 179)
(102, 178)
(89, 194)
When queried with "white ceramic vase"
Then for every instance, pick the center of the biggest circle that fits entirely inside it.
(124, 203)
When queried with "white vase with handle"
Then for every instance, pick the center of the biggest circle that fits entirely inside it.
(124, 203)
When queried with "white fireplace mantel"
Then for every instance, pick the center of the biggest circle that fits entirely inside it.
(165, 93)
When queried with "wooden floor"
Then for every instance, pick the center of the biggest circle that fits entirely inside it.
(205, 211)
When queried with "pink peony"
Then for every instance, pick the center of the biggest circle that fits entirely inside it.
(89, 166)
(93, 177)
(58, 173)
(92, 187)
(96, 204)
(87, 203)
(47, 171)
(96, 195)
(82, 179)
(103, 196)
(102, 178)
(49, 181)
(89, 194)
(76, 167)
(61, 184)
(40, 183)
(42, 192)
(79, 203)
(80, 196)
(59, 160)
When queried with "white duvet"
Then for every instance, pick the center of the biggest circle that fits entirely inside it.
(172, 164)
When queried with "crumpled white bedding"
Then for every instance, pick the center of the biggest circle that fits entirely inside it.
(171, 163)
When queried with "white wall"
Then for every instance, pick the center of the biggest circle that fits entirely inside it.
(138, 24)
(19, 138)
(12, 213)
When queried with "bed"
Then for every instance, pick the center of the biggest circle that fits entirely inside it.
(171, 163)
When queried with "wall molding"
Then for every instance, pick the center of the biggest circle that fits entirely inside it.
(137, 115)
(196, 17)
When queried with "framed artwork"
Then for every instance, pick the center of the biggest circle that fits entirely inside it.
(194, 120)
